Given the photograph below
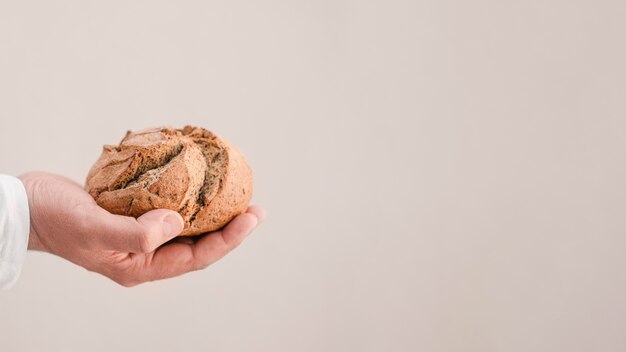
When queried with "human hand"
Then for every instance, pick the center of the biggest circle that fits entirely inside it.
(66, 221)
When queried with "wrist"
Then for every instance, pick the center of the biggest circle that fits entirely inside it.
(34, 243)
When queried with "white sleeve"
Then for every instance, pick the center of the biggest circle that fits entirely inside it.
(14, 229)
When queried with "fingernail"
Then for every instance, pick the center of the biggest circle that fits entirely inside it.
(262, 215)
(172, 225)
(259, 212)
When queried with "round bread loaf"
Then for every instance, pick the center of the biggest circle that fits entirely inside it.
(189, 170)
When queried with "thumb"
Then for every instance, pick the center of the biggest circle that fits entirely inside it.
(141, 235)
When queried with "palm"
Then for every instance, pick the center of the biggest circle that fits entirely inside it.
(66, 221)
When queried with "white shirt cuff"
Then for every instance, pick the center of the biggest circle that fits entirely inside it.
(14, 229)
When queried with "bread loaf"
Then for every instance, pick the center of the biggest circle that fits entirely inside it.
(189, 170)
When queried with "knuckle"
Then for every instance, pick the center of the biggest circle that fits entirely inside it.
(232, 244)
(125, 281)
(125, 277)
(144, 244)
(235, 243)
(199, 265)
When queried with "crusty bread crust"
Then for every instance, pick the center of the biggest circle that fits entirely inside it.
(190, 170)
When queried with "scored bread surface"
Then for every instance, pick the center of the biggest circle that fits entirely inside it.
(189, 170)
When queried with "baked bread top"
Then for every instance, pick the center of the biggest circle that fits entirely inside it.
(189, 170)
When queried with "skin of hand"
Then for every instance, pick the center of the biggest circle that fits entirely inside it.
(66, 221)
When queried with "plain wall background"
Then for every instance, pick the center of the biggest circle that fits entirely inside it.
(439, 175)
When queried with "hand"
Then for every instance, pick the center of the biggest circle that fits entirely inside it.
(66, 221)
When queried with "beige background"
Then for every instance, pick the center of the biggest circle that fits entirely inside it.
(439, 175)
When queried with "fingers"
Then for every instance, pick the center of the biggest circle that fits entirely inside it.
(141, 235)
(179, 257)
(214, 246)
(258, 211)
